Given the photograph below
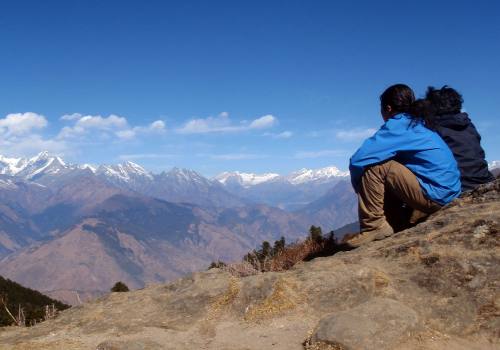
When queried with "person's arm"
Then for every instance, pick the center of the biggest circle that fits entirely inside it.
(382, 146)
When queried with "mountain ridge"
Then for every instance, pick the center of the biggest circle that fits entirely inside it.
(433, 286)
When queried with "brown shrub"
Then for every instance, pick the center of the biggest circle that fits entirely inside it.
(286, 258)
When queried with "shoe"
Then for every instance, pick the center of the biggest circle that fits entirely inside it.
(369, 236)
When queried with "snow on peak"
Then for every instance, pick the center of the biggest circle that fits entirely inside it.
(40, 157)
(184, 174)
(134, 168)
(31, 167)
(124, 172)
(45, 163)
(11, 166)
(494, 164)
(245, 179)
(90, 167)
(296, 178)
(316, 175)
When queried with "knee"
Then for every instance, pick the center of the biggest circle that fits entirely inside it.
(381, 168)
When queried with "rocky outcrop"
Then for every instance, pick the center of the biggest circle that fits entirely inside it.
(435, 286)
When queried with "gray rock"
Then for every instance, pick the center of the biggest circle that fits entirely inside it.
(377, 324)
(128, 345)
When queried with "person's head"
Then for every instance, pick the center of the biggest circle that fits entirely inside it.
(445, 100)
(396, 99)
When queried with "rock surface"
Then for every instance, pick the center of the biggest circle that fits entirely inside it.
(376, 324)
(434, 286)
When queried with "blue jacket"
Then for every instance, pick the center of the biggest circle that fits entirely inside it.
(419, 149)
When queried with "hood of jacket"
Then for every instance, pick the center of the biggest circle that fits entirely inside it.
(457, 121)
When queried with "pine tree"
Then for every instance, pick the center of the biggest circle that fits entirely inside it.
(266, 250)
(316, 234)
(120, 287)
(216, 264)
(279, 245)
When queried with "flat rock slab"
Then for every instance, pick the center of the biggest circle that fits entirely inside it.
(377, 324)
(129, 345)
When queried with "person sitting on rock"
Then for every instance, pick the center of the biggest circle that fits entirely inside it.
(403, 161)
(456, 129)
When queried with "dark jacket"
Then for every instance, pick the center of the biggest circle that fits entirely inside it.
(464, 141)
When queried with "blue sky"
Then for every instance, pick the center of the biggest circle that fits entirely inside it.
(232, 85)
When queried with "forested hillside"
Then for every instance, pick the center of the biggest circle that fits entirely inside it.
(32, 303)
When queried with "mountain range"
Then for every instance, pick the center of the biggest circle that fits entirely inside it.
(290, 192)
(73, 230)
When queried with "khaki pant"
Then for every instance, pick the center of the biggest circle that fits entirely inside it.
(390, 195)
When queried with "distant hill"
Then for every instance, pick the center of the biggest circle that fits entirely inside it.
(138, 239)
(71, 231)
(338, 207)
(349, 228)
(31, 301)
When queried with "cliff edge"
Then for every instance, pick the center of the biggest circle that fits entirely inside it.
(433, 286)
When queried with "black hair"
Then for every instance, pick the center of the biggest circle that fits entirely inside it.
(444, 101)
(401, 99)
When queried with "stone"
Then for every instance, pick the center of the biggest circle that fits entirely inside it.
(375, 325)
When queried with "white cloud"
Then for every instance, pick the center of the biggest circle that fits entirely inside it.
(125, 134)
(355, 134)
(320, 153)
(222, 124)
(113, 125)
(158, 125)
(263, 122)
(22, 134)
(32, 144)
(21, 123)
(98, 122)
(280, 135)
(73, 116)
(88, 123)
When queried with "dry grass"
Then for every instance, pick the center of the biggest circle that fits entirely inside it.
(295, 253)
(284, 297)
(224, 300)
(287, 258)
(241, 269)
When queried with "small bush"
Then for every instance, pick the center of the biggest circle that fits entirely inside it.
(282, 257)
(216, 264)
(120, 287)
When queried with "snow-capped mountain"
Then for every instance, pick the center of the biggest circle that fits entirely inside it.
(289, 192)
(494, 167)
(184, 176)
(11, 166)
(46, 164)
(187, 186)
(31, 168)
(176, 185)
(316, 175)
(494, 164)
(228, 189)
(128, 223)
(245, 179)
(128, 174)
(299, 177)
